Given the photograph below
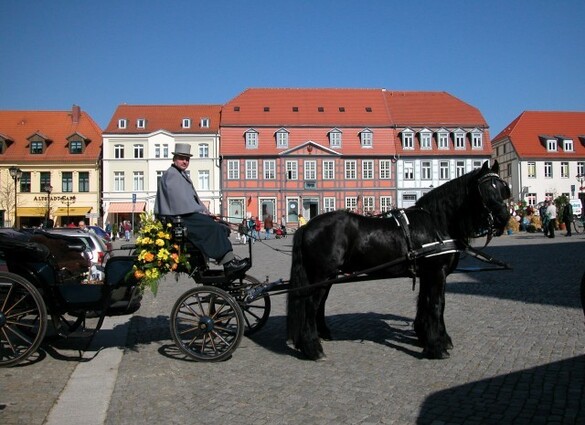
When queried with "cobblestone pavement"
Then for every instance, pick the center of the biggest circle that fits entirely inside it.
(519, 354)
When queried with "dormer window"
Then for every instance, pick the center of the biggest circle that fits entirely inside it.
(408, 139)
(335, 138)
(567, 144)
(282, 138)
(37, 147)
(122, 123)
(140, 123)
(367, 138)
(459, 136)
(476, 139)
(425, 139)
(2, 146)
(75, 147)
(186, 123)
(251, 139)
(204, 123)
(551, 145)
(443, 139)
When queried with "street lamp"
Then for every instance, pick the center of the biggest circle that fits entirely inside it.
(68, 202)
(48, 188)
(16, 174)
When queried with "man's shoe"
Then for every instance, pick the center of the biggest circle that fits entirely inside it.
(235, 266)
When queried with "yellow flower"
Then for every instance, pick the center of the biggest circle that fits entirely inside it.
(159, 243)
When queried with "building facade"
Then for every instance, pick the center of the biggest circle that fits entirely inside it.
(137, 148)
(49, 168)
(542, 155)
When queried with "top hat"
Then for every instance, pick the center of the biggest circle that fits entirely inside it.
(182, 149)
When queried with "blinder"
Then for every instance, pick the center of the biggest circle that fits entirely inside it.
(493, 180)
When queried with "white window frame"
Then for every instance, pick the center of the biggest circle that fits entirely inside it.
(551, 145)
(459, 168)
(385, 203)
(367, 169)
(122, 123)
(367, 138)
(426, 137)
(138, 181)
(204, 122)
(233, 169)
(252, 139)
(119, 181)
(350, 169)
(426, 170)
(269, 168)
(157, 150)
(335, 138)
(564, 170)
(186, 123)
(476, 139)
(459, 136)
(580, 168)
(140, 123)
(328, 170)
(408, 171)
(548, 170)
(408, 139)
(119, 151)
(203, 179)
(444, 172)
(282, 139)
(292, 170)
(351, 203)
(310, 170)
(328, 204)
(138, 150)
(368, 203)
(251, 169)
(443, 139)
(568, 145)
(531, 170)
(203, 150)
(385, 167)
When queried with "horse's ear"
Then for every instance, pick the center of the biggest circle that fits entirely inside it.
(485, 168)
(496, 167)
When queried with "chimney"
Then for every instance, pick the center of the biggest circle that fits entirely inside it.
(75, 113)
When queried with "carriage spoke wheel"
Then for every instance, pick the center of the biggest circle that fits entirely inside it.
(255, 313)
(23, 319)
(207, 323)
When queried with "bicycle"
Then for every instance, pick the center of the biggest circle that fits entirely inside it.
(578, 224)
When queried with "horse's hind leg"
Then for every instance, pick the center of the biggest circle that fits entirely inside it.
(303, 318)
(322, 327)
(429, 324)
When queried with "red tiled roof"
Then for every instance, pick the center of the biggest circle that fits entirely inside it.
(525, 131)
(56, 126)
(164, 117)
(314, 107)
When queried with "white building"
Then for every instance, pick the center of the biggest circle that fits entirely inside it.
(137, 148)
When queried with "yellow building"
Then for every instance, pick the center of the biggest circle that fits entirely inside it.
(49, 168)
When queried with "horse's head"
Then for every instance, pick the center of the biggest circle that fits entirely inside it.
(493, 192)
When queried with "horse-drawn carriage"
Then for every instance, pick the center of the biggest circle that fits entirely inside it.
(208, 321)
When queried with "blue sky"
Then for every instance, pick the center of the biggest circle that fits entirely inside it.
(501, 56)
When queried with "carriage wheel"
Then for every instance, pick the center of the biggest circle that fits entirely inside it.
(257, 312)
(207, 323)
(578, 225)
(23, 319)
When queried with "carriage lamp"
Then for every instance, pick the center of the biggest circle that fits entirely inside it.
(48, 189)
(16, 174)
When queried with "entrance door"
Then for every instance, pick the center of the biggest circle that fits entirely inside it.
(236, 209)
(310, 207)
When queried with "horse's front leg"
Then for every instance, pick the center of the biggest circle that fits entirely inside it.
(322, 327)
(429, 324)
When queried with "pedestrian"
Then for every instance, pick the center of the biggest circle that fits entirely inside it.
(243, 231)
(108, 229)
(302, 220)
(127, 230)
(551, 214)
(568, 217)
(268, 225)
(283, 225)
(257, 228)
(176, 196)
(543, 218)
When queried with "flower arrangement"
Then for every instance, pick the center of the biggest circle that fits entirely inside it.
(157, 254)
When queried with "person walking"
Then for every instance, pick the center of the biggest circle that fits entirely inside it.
(568, 218)
(543, 218)
(268, 225)
(551, 214)
(176, 196)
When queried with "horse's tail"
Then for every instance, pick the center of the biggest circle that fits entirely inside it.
(296, 302)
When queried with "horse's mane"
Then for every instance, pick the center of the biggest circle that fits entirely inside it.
(455, 205)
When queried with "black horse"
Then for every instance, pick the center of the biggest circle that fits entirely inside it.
(340, 242)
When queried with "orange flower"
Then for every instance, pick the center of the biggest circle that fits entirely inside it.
(138, 274)
(149, 257)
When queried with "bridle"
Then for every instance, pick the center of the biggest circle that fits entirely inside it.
(491, 178)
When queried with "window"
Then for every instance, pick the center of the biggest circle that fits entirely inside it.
(203, 179)
(157, 152)
(165, 151)
(282, 139)
(477, 164)
(425, 168)
(233, 169)
(385, 203)
(122, 123)
(551, 145)
(159, 175)
(203, 150)
(45, 180)
(443, 139)
(531, 169)
(407, 139)
(83, 181)
(204, 123)
(310, 170)
(350, 170)
(548, 170)
(367, 169)
(269, 169)
(36, 147)
(328, 204)
(459, 139)
(186, 123)
(568, 145)
(251, 139)
(368, 203)
(408, 170)
(476, 139)
(66, 181)
(581, 168)
(25, 182)
(138, 151)
(251, 169)
(335, 138)
(351, 203)
(459, 168)
(385, 169)
(328, 170)
(530, 199)
(367, 138)
(119, 183)
(141, 123)
(138, 181)
(425, 139)
(291, 170)
(75, 147)
(444, 170)
(118, 151)
(564, 170)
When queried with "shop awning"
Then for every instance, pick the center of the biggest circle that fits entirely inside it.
(126, 207)
(31, 211)
(72, 211)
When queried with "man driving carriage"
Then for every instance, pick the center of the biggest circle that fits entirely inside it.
(176, 196)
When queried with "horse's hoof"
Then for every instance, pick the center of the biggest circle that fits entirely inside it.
(436, 354)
